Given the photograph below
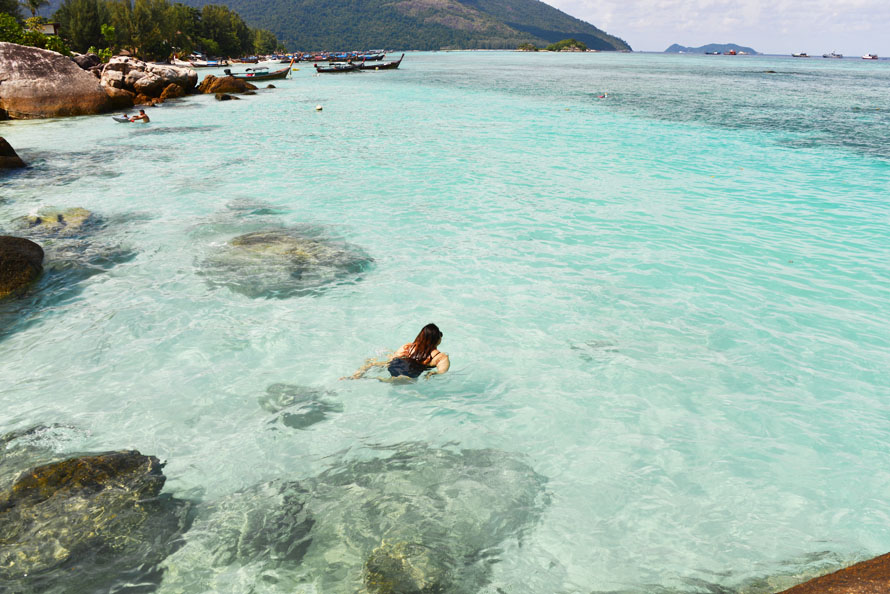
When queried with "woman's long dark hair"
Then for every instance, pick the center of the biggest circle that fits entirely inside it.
(425, 343)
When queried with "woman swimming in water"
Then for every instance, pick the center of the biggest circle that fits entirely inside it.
(413, 358)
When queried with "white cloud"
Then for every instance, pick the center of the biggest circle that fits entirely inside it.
(773, 26)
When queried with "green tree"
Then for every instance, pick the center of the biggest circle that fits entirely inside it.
(264, 42)
(81, 23)
(10, 7)
(34, 5)
(567, 44)
(10, 30)
(182, 28)
(148, 38)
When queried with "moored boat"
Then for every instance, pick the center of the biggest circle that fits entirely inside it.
(336, 67)
(384, 66)
(261, 73)
(833, 55)
(800, 55)
(870, 57)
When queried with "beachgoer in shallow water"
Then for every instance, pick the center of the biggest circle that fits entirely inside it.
(412, 359)
(142, 117)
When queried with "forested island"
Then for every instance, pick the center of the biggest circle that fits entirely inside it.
(711, 48)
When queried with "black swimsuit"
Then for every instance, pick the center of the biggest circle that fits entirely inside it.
(408, 367)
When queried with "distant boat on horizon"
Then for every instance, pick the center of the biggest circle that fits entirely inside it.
(800, 55)
(870, 57)
(833, 55)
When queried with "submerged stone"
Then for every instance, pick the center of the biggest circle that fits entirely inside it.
(419, 521)
(283, 263)
(298, 407)
(76, 524)
(263, 530)
(21, 261)
(58, 222)
(422, 520)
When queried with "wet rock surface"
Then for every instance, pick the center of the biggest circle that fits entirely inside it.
(9, 159)
(55, 222)
(21, 262)
(868, 577)
(86, 523)
(39, 83)
(224, 84)
(298, 407)
(282, 263)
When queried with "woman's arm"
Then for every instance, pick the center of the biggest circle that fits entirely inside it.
(368, 365)
(442, 365)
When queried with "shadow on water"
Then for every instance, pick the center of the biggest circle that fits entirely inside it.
(298, 407)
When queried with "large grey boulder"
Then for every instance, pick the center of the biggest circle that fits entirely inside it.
(38, 83)
(143, 78)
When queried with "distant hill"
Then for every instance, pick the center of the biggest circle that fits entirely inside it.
(711, 47)
(416, 24)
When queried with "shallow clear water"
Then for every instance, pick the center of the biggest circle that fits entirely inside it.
(672, 302)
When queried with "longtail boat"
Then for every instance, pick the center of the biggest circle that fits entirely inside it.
(261, 73)
(338, 67)
(384, 66)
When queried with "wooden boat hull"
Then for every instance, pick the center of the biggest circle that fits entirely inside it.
(337, 69)
(274, 75)
(384, 66)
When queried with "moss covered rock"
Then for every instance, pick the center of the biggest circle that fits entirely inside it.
(95, 519)
(56, 222)
(21, 261)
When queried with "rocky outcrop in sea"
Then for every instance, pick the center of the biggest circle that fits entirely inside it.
(224, 85)
(87, 523)
(9, 159)
(21, 261)
(145, 83)
(38, 83)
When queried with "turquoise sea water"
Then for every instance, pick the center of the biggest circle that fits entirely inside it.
(672, 302)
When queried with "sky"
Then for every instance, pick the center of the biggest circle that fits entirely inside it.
(850, 27)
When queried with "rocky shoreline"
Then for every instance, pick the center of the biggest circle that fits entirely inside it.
(38, 83)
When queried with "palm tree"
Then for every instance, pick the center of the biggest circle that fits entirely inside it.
(34, 5)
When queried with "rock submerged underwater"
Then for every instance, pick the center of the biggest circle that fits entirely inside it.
(283, 263)
(420, 521)
(88, 524)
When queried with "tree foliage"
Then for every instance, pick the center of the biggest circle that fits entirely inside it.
(156, 29)
(567, 45)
